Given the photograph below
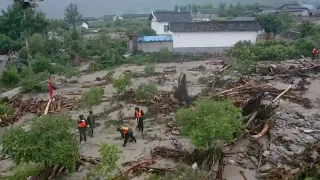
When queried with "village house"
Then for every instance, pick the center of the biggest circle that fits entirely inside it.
(135, 16)
(207, 14)
(264, 10)
(160, 20)
(212, 36)
(296, 9)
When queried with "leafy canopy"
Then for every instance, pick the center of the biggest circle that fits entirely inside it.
(210, 122)
(48, 142)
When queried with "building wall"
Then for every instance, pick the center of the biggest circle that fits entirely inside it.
(211, 39)
(154, 46)
(158, 27)
(303, 13)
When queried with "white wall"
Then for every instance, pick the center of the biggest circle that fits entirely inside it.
(211, 39)
(158, 27)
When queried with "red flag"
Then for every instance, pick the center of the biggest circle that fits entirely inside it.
(50, 88)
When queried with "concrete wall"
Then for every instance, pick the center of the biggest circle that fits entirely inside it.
(211, 39)
(154, 46)
(158, 27)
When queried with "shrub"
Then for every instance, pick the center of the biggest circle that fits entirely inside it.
(122, 84)
(146, 91)
(23, 53)
(49, 142)
(5, 109)
(34, 82)
(164, 56)
(22, 172)
(41, 64)
(110, 155)
(210, 122)
(91, 98)
(10, 77)
(150, 69)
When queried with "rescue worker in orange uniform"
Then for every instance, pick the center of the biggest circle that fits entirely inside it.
(314, 53)
(139, 115)
(82, 126)
(126, 133)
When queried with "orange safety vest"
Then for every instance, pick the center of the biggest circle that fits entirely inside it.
(125, 130)
(314, 51)
(82, 124)
(139, 113)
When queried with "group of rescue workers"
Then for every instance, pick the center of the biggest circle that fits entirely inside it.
(88, 124)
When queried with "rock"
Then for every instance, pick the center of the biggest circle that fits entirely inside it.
(175, 132)
(254, 159)
(286, 138)
(80, 169)
(266, 153)
(265, 168)
(308, 130)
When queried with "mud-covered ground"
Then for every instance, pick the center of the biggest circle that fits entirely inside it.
(294, 127)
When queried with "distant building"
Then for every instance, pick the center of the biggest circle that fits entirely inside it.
(135, 16)
(296, 9)
(160, 20)
(212, 36)
(264, 10)
(108, 17)
(207, 13)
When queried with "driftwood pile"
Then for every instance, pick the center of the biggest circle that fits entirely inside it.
(22, 106)
(301, 68)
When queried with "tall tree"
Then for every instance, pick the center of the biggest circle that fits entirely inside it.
(176, 8)
(72, 15)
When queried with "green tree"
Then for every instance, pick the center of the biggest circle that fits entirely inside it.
(6, 44)
(176, 8)
(306, 29)
(210, 123)
(49, 142)
(37, 45)
(275, 23)
(147, 31)
(72, 15)
(122, 84)
(91, 98)
(110, 155)
(10, 76)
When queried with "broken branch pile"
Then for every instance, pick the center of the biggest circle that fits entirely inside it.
(21, 106)
(178, 155)
(105, 80)
(162, 102)
(285, 69)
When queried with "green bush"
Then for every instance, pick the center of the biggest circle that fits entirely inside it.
(23, 53)
(122, 84)
(34, 82)
(146, 91)
(22, 172)
(273, 50)
(91, 98)
(49, 142)
(41, 64)
(10, 77)
(150, 69)
(5, 109)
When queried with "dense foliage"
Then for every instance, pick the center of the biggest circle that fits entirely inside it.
(210, 122)
(272, 50)
(49, 142)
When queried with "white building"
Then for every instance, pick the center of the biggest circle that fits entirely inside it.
(296, 9)
(212, 36)
(160, 20)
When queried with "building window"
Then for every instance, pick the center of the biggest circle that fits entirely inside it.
(166, 28)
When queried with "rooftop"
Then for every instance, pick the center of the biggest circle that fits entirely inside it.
(244, 18)
(135, 15)
(210, 26)
(171, 16)
(164, 38)
(293, 6)
(263, 8)
(209, 11)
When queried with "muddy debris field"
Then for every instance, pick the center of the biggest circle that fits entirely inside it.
(279, 101)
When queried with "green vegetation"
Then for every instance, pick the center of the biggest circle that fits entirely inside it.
(146, 91)
(122, 84)
(5, 109)
(210, 122)
(91, 98)
(49, 142)
(22, 172)
(150, 69)
(110, 155)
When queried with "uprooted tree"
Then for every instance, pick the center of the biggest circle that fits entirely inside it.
(48, 143)
(210, 124)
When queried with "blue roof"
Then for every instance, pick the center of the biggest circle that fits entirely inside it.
(163, 38)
